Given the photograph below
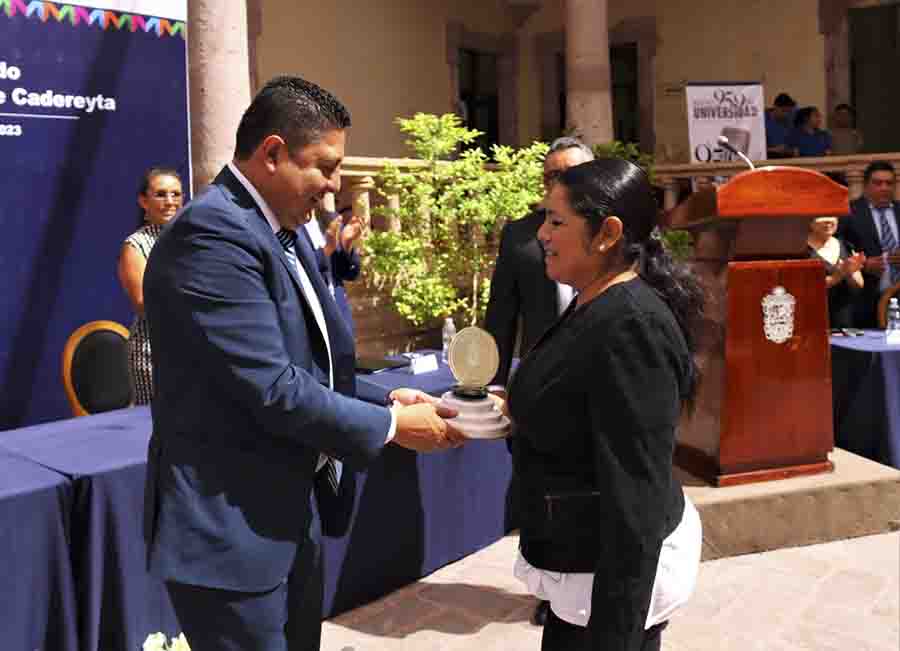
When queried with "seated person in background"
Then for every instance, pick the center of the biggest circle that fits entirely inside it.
(807, 138)
(334, 238)
(846, 139)
(843, 275)
(160, 197)
(778, 125)
(872, 228)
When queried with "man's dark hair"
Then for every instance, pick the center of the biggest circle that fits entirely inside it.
(785, 100)
(845, 107)
(877, 166)
(297, 110)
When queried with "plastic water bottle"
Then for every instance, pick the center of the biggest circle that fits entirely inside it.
(892, 331)
(447, 334)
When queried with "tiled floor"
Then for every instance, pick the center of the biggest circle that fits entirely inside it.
(840, 596)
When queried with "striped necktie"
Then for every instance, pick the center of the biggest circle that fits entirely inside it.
(288, 238)
(888, 243)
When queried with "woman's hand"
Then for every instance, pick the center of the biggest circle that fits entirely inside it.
(499, 399)
(852, 264)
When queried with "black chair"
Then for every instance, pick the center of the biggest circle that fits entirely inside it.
(95, 368)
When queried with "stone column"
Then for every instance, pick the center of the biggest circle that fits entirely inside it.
(588, 77)
(362, 205)
(219, 79)
(855, 182)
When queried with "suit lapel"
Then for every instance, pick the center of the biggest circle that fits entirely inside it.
(305, 256)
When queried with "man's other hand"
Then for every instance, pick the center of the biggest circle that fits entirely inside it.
(420, 428)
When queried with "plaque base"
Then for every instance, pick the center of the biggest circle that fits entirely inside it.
(478, 417)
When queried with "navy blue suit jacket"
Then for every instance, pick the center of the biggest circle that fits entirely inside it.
(339, 266)
(859, 231)
(242, 408)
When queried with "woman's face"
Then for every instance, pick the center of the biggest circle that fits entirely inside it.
(568, 255)
(824, 227)
(162, 199)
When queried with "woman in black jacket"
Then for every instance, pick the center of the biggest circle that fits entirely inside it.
(607, 535)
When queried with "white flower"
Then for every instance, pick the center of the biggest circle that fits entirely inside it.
(155, 642)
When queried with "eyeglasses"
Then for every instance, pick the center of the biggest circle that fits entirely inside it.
(162, 194)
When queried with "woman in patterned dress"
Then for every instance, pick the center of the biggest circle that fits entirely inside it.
(160, 198)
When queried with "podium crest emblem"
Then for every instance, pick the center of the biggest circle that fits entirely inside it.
(778, 315)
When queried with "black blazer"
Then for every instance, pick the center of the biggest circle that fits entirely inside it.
(240, 413)
(859, 231)
(520, 287)
(596, 404)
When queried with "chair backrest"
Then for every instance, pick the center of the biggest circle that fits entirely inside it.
(893, 290)
(95, 368)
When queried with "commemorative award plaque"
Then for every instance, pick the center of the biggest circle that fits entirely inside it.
(473, 360)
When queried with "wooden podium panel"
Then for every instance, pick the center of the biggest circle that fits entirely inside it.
(763, 407)
(774, 412)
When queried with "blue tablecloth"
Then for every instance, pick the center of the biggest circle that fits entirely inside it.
(105, 457)
(374, 387)
(37, 600)
(414, 513)
(866, 396)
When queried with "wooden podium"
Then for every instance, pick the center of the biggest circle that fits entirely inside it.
(763, 408)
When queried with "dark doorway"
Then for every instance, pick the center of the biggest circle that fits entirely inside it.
(874, 62)
(478, 91)
(623, 65)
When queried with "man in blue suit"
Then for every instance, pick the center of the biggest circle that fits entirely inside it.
(253, 366)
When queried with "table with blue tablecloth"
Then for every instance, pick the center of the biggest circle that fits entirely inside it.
(414, 513)
(866, 396)
(37, 600)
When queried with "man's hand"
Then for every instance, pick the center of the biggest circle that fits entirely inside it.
(420, 428)
(875, 265)
(406, 397)
(353, 228)
(331, 235)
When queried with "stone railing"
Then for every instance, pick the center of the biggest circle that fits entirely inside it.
(672, 178)
(379, 329)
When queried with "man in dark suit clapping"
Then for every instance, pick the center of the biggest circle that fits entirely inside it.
(254, 368)
(524, 302)
(872, 228)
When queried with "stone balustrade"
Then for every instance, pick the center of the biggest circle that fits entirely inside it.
(672, 178)
(380, 330)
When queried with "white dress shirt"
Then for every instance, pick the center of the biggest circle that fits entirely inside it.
(564, 295)
(569, 594)
(891, 217)
(308, 291)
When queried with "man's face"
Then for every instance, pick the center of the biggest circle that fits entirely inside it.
(558, 162)
(842, 119)
(880, 188)
(301, 177)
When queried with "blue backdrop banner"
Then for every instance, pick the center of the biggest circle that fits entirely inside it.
(90, 97)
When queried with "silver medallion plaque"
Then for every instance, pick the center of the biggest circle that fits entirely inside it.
(474, 360)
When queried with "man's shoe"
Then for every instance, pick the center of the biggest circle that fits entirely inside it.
(540, 613)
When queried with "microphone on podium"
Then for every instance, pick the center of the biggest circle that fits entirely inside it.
(724, 142)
